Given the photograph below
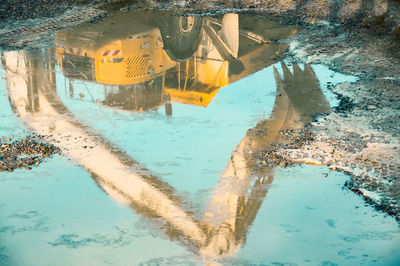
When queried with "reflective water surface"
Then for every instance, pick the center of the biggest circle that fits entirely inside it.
(161, 119)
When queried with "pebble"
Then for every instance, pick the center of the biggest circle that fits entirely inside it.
(25, 152)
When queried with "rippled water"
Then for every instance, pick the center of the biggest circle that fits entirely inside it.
(160, 119)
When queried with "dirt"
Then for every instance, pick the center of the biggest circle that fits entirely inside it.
(23, 9)
(31, 24)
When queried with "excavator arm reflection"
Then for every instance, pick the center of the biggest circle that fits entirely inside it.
(232, 209)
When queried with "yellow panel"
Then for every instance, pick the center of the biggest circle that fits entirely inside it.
(191, 97)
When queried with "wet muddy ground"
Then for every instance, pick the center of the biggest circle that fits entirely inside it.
(331, 110)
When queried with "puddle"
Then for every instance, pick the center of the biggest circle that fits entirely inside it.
(161, 119)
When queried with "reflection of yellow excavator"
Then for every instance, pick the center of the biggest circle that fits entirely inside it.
(136, 58)
(223, 228)
(127, 57)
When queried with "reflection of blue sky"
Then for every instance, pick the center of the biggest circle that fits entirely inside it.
(308, 219)
(191, 149)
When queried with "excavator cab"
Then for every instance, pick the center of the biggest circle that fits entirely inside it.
(99, 55)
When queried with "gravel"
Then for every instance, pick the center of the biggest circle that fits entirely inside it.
(24, 153)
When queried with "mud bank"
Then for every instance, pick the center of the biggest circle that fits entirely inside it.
(31, 24)
(21, 9)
